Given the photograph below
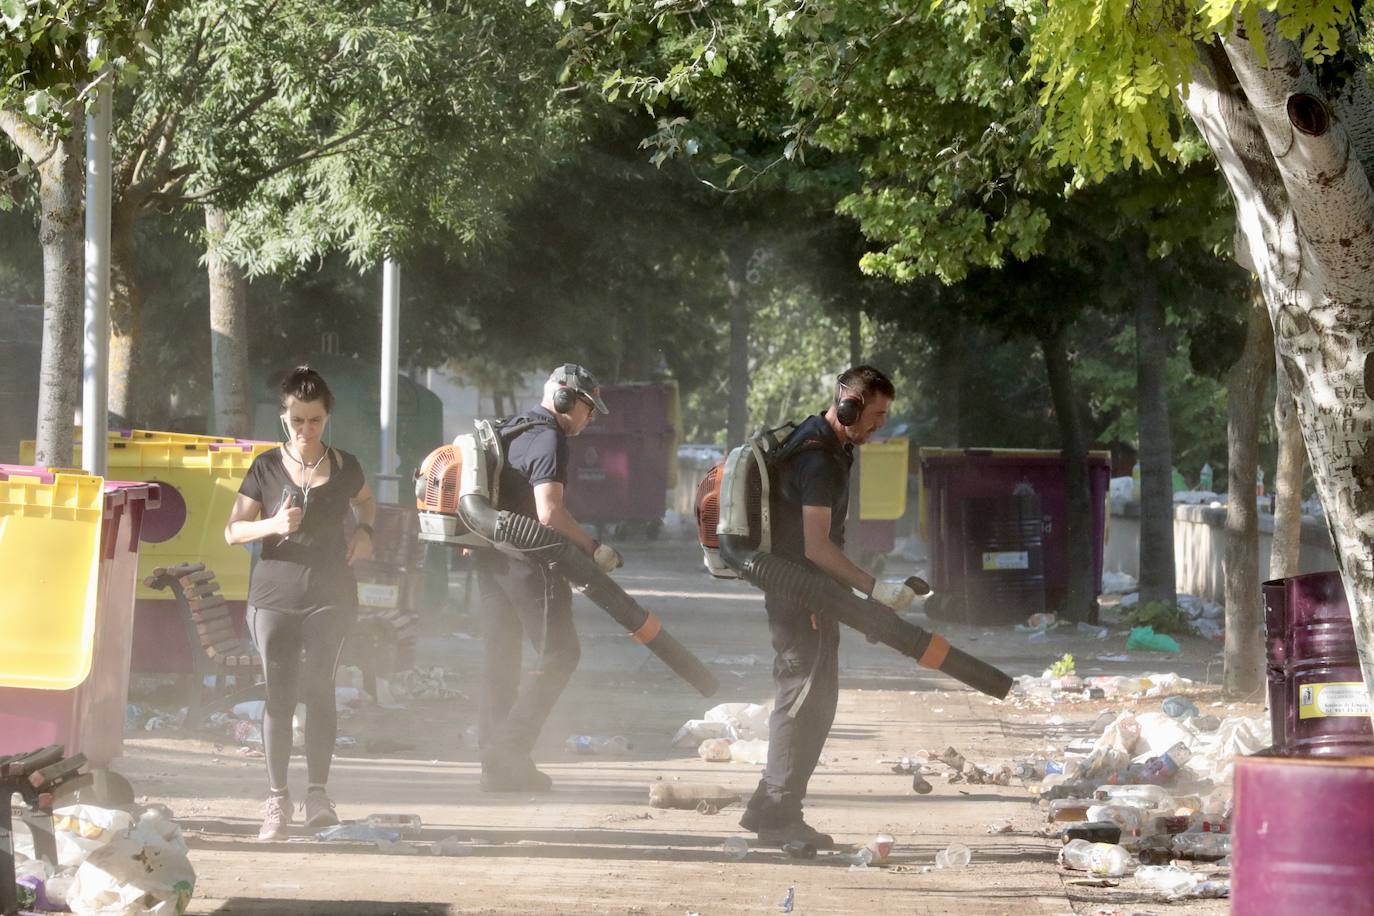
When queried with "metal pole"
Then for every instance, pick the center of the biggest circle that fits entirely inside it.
(96, 337)
(391, 326)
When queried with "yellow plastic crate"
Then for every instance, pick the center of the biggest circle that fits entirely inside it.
(27, 447)
(50, 567)
(882, 479)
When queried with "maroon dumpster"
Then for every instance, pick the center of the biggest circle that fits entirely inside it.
(89, 718)
(619, 466)
(996, 524)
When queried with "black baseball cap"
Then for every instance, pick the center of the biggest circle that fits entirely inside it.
(571, 375)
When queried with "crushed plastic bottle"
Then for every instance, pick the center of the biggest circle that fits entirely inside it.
(1165, 767)
(859, 858)
(1128, 817)
(1103, 859)
(715, 750)
(799, 849)
(1179, 883)
(955, 855)
(736, 847)
(407, 825)
(755, 751)
(597, 744)
(790, 900)
(357, 833)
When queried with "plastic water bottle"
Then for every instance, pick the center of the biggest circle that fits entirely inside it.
(1103, 859)
(598, 744)
(1069, 810)
(1165, 767)
(407, 825)
(1142, 796)
(1202, 846)
(1204, 478)
(1093, 832)
(1128, 817)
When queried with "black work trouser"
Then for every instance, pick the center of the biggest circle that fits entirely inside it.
(522, 598)
(797, 732)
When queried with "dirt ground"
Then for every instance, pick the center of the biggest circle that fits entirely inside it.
(595, 846)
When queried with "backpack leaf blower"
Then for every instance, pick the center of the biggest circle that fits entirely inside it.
(733, 509)
(456, 490)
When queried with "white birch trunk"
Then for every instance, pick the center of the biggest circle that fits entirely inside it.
(1305, 214)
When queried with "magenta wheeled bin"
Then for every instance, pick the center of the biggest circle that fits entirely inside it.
(997, 523)
(620, 467)
(89, 718)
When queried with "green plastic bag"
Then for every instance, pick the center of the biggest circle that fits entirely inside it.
(1145, 639)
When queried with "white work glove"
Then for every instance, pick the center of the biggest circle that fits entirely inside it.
(896, 595)
(608, 558)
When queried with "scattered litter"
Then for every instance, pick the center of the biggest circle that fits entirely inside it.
(955, 855)
(357, 832)
(1089, 629)
(345, 741)
(1145, 639)
(597, 744)
(736, 661)
(920, 786)
(405, 825)
(687, 796)
(735, 721)
(142, 871)
(736, 847)
(1000, 827)
(790, 899)
(754, 751)
(1117, 583)
(715, 750)
(799, 849)
(427, 683)
(450, 846)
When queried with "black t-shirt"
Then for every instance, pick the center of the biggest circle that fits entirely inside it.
(814, 476)
(537, 455)
(309, 569)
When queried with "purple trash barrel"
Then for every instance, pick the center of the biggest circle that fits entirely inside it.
(1302, 836)
(1328, 703)
(1276, 660)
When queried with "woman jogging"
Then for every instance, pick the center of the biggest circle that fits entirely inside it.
(303, 598)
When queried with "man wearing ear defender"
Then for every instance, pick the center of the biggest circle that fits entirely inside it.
(523, 596)
(809, 505)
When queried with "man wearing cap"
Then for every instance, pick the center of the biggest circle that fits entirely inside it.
(523, 597)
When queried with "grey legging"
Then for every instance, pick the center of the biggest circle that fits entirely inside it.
(300, 652)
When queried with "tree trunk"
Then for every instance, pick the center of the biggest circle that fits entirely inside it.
(228, 332)
(1286, 549)
(1080, 602)
(856, 343)
(1156, 447)
(1246, 385)
(949, 361)
(737, 419)
(1305, 215)
(61, 191)
(126, 321)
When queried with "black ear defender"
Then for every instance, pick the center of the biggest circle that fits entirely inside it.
(564, 399)
(849, 407)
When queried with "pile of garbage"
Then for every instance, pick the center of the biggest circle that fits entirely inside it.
(1052, 687)
(1206, 617)
(730, 732)
(110, 862)
(1150, 795)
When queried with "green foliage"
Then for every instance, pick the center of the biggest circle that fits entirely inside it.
(1112, 71)
(1164, 618)
(1063, 667)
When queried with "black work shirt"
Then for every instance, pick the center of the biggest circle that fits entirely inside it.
(309, 569)
(537, 455)
(815, 476)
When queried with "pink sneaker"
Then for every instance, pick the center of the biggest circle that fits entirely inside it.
(276, 818)
(319, 810)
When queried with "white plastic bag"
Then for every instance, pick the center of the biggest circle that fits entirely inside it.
(143, 872)
(82, 829)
